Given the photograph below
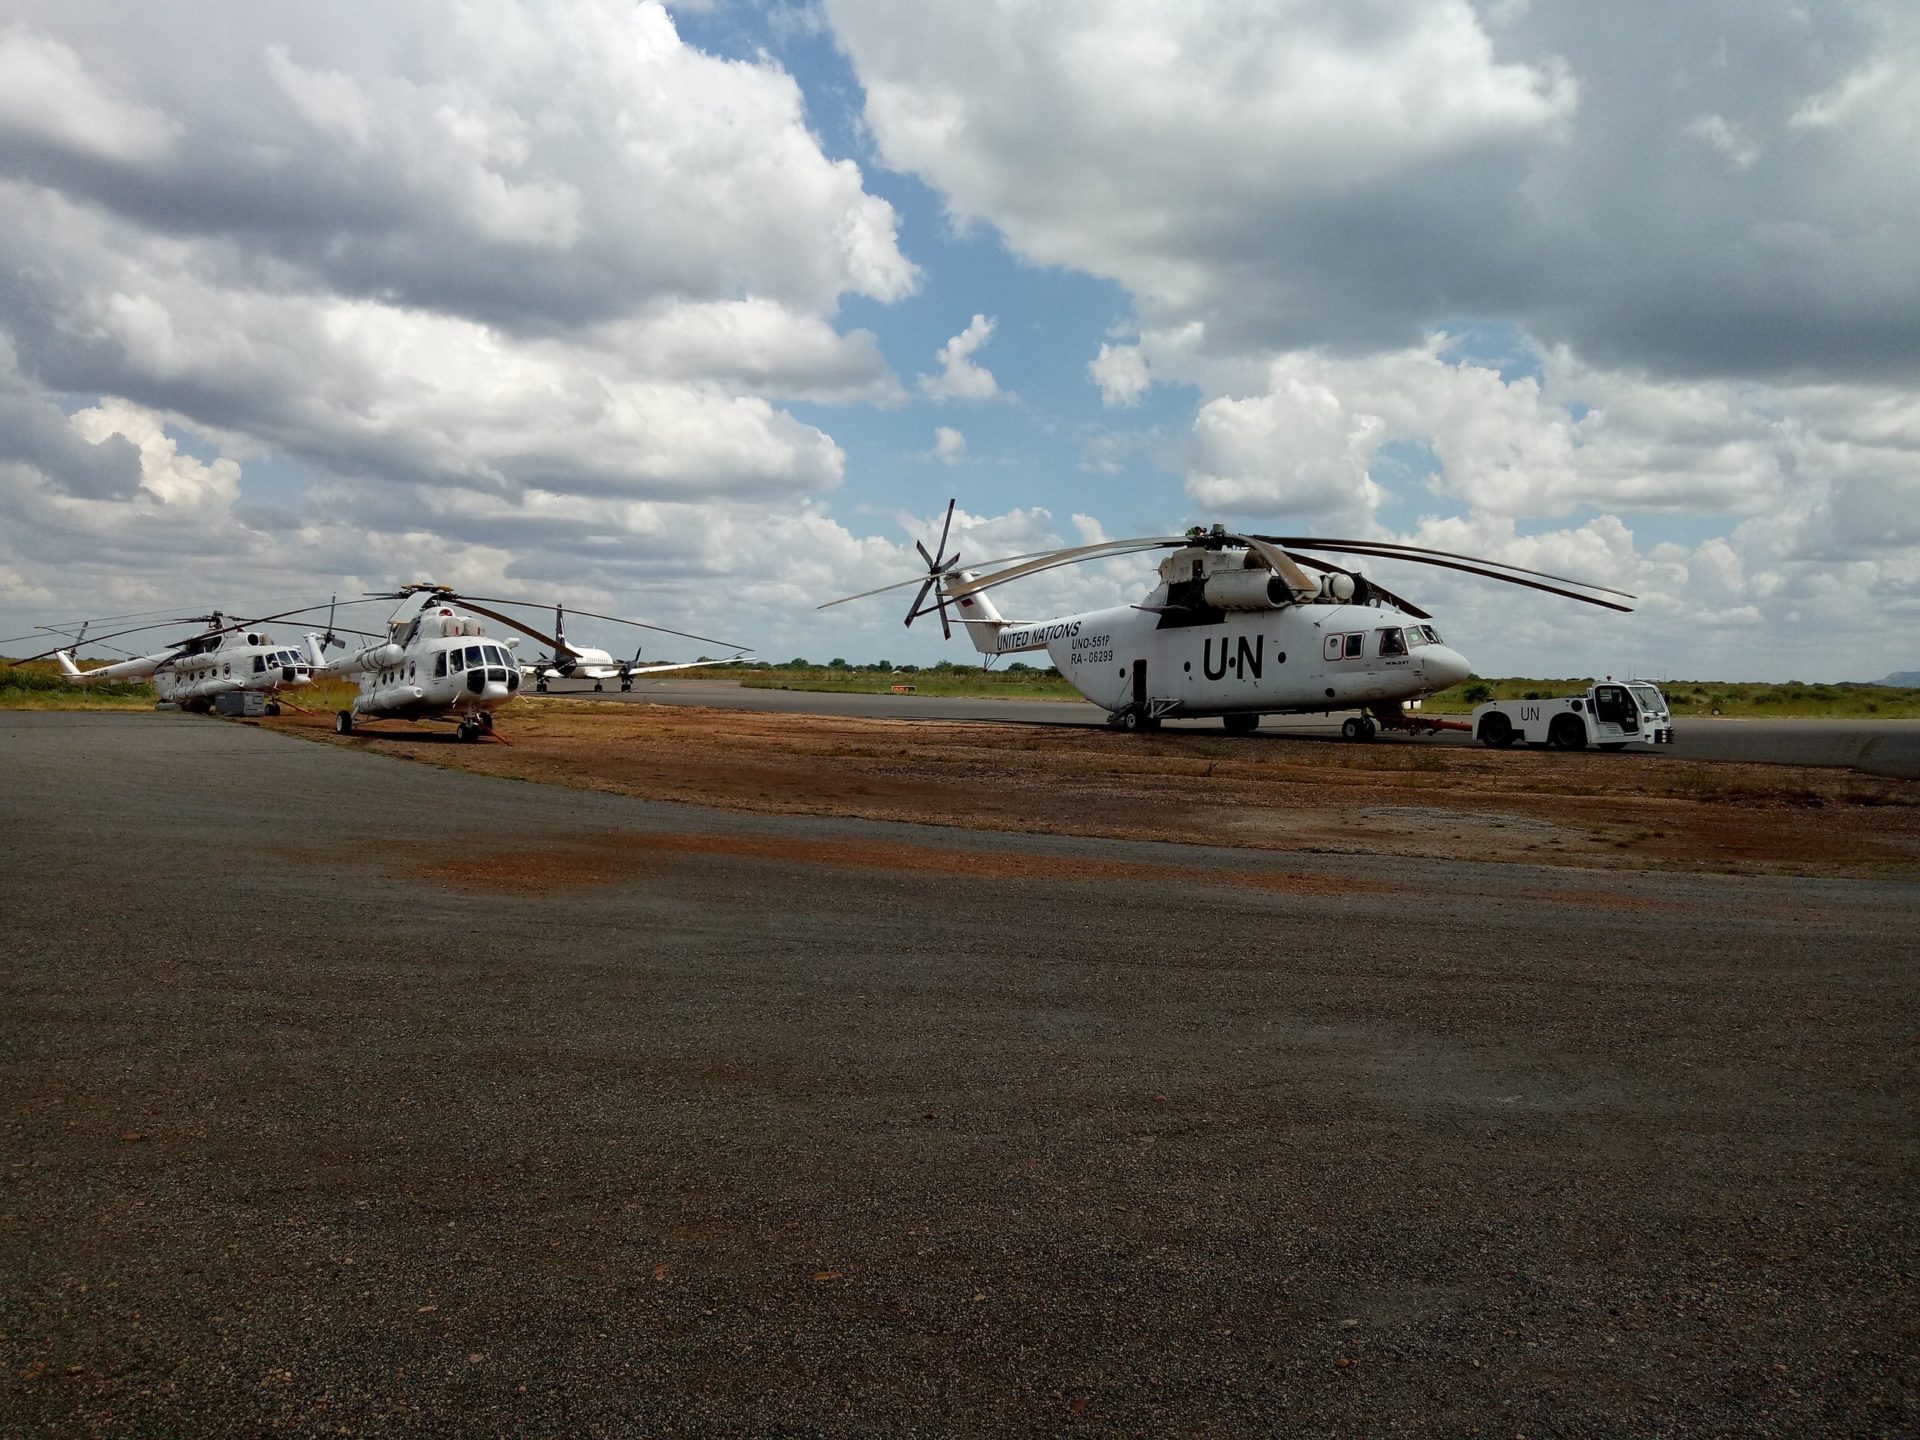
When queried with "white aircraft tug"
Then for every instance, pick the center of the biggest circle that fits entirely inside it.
(1236, 628)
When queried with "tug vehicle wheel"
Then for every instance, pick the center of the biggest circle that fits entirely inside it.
(343, 723)
(1497, 730)
(1567, 733)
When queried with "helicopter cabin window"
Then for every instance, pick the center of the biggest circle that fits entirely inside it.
(1354, 642)
(1334, 643)
(440, 665)
(1391, 643)
(259, 664)
(410, 669)
(456, 661)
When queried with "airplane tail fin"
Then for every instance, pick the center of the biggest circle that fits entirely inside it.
(978, 613)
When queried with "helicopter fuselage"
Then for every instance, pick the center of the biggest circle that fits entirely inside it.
(434, 665)
(1171, 661)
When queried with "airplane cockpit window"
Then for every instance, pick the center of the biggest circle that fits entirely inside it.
(1391, 643)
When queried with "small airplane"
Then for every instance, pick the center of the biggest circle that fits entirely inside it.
(1235, 629)
(436, 662)
(585, 662)
(229, 656)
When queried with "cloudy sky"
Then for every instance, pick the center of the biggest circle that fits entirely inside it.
(700, 313)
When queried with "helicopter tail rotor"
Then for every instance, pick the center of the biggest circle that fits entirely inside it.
(939, 564)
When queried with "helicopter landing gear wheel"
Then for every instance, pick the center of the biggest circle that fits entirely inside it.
(1135, 721)
(468, 732)
(626, 685)
(1369, 728)
(540, 687)
(1353, 728)
(343, 723)
(273, 707)
(1240, 724)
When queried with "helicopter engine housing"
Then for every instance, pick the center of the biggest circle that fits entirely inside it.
(1246, 590)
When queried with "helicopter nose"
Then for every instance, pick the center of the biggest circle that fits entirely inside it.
(1445, 666)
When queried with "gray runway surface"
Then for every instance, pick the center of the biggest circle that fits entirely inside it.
(1880, 747)
(728, 1125)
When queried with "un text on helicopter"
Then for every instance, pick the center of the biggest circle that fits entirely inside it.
(1236, 628)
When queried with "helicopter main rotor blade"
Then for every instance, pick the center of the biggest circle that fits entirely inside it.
(546, 640)
(1496, 575)
(1392, 549)
(458, 599)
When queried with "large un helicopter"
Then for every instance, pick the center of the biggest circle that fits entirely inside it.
(1236, 628)
(227, 657)
(436, 661)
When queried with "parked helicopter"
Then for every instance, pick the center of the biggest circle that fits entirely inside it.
(585, 662)
(1236, 628)
(435, 661)
(227, 657)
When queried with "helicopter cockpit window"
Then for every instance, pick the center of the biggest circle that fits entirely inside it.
(439, 664)
(456, 661)
(1391, 643)
(259, 664)
(1416, 637)
(473, 657)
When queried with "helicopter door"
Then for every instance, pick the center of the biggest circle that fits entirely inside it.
(1140, 684)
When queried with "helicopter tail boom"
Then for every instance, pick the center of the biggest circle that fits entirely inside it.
(977, 612)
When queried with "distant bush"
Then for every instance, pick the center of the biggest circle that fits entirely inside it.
(1477, 694)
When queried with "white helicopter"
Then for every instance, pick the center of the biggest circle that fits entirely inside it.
(228, 657)
(436, 662)
(1236, 629)
(586, 662)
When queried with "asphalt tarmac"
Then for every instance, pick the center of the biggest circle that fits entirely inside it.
(350, 1095)
(1879, 747)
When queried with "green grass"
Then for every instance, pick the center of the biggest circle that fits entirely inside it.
(1695, 698)
(968, 681)
(39, 685)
